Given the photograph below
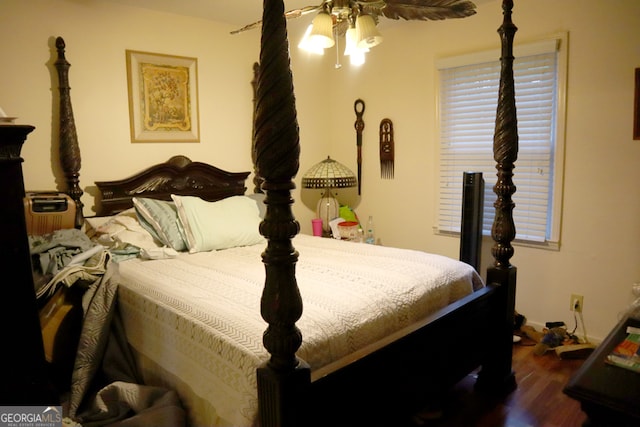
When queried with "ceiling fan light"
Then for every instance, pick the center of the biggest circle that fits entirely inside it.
(357, 58)
(322, 31)
(367, 32)
(351, 41)
(305, 43)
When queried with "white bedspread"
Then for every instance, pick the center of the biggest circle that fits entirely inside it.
(198, 315)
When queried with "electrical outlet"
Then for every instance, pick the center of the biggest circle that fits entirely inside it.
(577, 302)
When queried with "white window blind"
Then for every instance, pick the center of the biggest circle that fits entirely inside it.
(468, 101)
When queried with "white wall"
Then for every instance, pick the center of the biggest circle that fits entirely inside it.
(599, 256)
(97, 33)
(599, 251)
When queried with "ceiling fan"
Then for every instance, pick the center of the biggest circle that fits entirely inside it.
(343, 11)
(357, 20)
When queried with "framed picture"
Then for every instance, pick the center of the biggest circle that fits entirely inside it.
(636, 107)
(163, 97)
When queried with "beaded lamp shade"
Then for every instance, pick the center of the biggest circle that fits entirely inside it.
(329, 174)
(326, 175)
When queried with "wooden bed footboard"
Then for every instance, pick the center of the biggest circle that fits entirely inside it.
(414, 369)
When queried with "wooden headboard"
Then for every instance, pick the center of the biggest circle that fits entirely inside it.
(179, 175)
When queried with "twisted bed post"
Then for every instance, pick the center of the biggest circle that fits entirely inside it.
(497, 374)
(283, 381)
(257, 180)
(69, 148)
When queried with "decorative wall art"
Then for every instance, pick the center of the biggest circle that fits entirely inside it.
(163, 97)
(358, 107)
(387, 149)
(636, 107)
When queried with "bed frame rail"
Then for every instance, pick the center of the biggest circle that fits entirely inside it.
(439, 352)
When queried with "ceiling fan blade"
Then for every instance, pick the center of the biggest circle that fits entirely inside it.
(294, 13)
(422, 10)
(247, 27)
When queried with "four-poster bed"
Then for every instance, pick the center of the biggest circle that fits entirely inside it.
(403, 368)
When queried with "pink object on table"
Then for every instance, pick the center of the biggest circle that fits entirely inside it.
(317, 226)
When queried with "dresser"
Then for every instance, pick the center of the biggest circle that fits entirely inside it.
(24, 373)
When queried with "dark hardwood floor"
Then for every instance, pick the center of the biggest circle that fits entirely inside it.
(537, 402)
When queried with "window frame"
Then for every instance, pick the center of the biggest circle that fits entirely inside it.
(559, 42)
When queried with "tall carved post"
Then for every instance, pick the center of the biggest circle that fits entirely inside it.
(69, 148)
(257, 179)
(283, 380)
(497, 373)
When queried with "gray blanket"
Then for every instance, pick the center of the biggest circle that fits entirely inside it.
(105, 386)
(65, 257)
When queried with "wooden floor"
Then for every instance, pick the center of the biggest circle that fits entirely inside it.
(537, 402)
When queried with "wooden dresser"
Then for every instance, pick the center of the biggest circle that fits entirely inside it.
(24, 374)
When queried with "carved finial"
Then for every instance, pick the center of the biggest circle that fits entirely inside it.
(60, 46)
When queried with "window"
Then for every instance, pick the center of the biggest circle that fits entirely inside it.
(467, 107)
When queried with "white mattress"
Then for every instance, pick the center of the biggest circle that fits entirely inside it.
(197, 316)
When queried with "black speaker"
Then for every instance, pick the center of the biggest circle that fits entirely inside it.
(472, 213)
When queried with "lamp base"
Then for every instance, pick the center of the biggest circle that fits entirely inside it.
(327, 209)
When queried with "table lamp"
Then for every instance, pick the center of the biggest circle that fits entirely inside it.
(328, 174)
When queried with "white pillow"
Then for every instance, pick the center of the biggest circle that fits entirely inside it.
(227, 223)
(259, 199)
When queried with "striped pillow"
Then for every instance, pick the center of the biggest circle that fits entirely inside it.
(160, 218)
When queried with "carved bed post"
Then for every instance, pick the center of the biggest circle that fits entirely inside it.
(497, 374)
(283, 381)
(69, 149)
(257, 179)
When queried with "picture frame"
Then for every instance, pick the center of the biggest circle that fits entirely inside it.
(636, 107)
(163, 97)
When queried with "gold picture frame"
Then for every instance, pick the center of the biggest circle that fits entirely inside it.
(163, 97)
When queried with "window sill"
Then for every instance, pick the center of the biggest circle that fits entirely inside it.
(546, 245)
